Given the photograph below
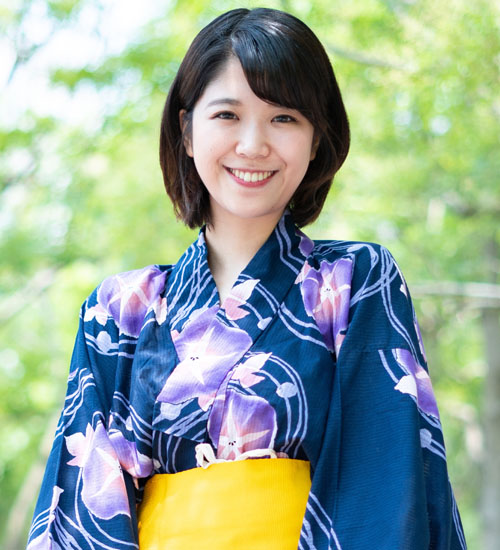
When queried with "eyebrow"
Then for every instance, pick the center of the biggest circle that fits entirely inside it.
(224, 101)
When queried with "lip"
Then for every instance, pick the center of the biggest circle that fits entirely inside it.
(244, 183)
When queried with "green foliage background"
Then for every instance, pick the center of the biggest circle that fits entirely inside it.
(79, 201)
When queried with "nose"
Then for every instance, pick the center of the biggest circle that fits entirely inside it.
(252, 142)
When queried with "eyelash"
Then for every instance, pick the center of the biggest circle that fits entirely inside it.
(225, 115)
(288, 117)
(228, 115)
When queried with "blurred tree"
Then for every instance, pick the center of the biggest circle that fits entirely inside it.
(81, 197)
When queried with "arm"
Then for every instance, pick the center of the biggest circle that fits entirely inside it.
(381, 479)
(86, 499)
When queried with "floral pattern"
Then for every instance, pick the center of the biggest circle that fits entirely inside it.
(326, 294)
(126, 297)
(416, 382)
(103, 489)
(237, 298)
(315, 355)
(249, 423)
(205, 350)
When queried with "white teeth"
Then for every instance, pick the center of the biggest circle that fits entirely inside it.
(251, 176)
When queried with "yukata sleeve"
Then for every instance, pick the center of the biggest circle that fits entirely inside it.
(87, 501)
(381, 480)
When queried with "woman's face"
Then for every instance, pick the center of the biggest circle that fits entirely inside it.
(250, 155)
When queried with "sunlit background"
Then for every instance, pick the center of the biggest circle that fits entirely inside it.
(82, 84)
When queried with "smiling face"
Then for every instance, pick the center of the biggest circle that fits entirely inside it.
(250, 155)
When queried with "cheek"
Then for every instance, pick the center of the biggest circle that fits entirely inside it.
(208, 148)
(207, 160)
(298, 146)
(300, 155)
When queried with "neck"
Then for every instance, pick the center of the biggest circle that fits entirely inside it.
(231, 245)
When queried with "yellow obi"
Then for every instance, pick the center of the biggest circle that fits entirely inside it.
(253, 504)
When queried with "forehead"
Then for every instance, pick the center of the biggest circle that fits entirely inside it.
(229, 83)
(263, 88)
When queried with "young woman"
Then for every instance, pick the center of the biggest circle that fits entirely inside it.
(266, 391)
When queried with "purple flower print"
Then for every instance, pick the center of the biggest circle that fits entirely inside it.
(131, 460)
(207, 350)
(126, 297)
(416, 382)
(238, 297)
(104, 493)
(326, 294)
(245, 372)
(249, 423)
(196, 327)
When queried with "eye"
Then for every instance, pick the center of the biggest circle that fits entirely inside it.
(225, 115)
(284, 118)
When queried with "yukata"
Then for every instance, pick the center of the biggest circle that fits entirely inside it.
(316, 353)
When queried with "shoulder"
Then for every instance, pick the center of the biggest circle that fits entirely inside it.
(380, 302)
(361, 250)
(366, 257)
(126, 297)
(370, 267)
(358, 261)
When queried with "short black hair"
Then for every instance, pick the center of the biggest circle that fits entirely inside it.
(285, 64)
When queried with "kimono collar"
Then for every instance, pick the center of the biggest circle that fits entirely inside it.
(210, 340)
(258, 291)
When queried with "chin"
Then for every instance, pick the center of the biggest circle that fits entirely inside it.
(257, 214)
(246, 212)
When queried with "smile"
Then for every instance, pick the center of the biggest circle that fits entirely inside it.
(251, 177)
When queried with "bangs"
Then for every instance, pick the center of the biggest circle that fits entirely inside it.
(277, 69)
(284, 64)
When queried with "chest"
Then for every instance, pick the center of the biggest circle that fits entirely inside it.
(239, 390)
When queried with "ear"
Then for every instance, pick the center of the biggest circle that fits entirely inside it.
(314, 147)
(185, 138)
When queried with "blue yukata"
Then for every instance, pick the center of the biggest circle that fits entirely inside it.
(316, 354)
